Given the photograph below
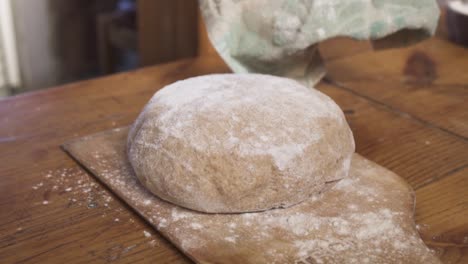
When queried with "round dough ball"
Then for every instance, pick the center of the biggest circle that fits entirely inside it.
(239, 143)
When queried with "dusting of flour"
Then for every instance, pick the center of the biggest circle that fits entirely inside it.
(260, 109)
(366, 218)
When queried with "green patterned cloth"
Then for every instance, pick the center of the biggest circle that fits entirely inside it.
(280, 37)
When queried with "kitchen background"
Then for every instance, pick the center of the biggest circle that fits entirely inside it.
(44, 43)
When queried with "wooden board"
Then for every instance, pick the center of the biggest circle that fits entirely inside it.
(366, 217)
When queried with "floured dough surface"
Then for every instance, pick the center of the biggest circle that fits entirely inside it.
(239, 143)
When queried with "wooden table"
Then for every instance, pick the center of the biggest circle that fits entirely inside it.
(407, 108)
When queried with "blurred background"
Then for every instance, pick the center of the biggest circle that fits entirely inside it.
(44, 43)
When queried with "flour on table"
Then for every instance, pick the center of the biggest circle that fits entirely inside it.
(146, 233)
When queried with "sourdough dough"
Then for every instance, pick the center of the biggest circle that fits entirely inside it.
(239, 143)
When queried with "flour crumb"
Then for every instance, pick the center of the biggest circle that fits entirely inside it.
(196, 226)
(146, 233)
(162, 223)
(37, 186)
(178, 214)
(127, 249)
(230, 239)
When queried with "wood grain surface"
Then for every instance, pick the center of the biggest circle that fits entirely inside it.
(406, 112)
